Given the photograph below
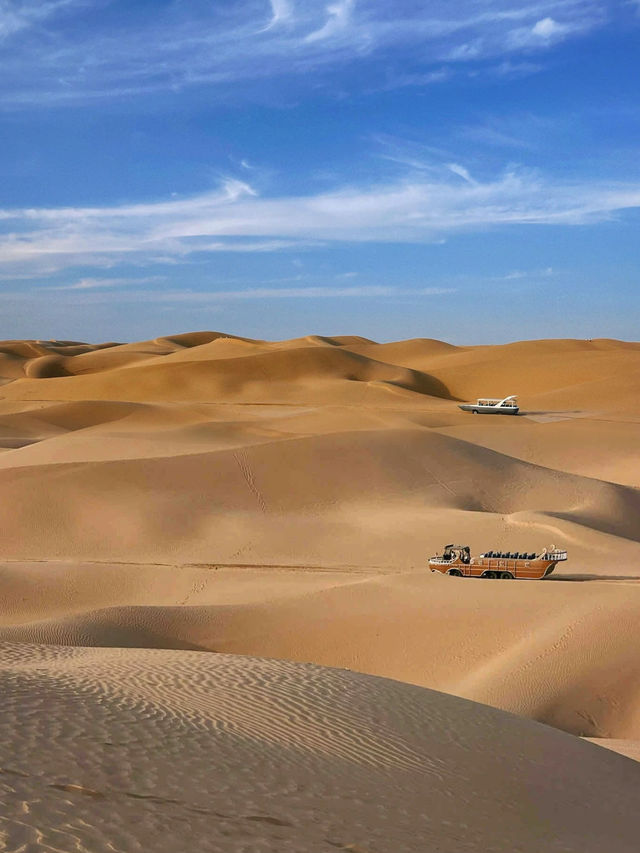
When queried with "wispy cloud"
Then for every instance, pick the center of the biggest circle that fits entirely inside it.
(358, 292)
(419, 208)
(461, 171)
(94, 296)
(519, 131)
(57, 58)
(17, 15)
(282, 10)
(518, 275)
(338, 21)
(105, 283)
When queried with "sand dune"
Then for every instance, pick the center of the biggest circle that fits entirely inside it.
(342, 458)
(47, 359)
(177, 750)
(561, 653)
(209, 492)
(314, 373)
(377, 495)
(557, 374)
(592, 447)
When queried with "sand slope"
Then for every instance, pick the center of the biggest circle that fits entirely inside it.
(124, 750)
(251, 491)
(562, 653)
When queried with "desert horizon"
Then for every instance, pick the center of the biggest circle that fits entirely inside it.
(218, 624)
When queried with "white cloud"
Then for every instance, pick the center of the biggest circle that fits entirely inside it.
(423, 207)
(359, 292)
(19, 15)
(339, 18)
(207, 297)
(459, 170)
(547, 31)
(242, 246)
(282, 10)
(516, 275)
(466, 51)
(176, 45)
(107, 283)
(546, 27)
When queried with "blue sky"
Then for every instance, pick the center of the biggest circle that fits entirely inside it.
(467, 171)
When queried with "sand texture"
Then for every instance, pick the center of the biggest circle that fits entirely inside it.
(199, 529)
(144, 749)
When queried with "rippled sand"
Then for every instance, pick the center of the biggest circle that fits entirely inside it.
(113, 749)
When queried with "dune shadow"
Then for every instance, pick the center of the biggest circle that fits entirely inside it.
(589, 577)
(17, 443)
(429, 385)
(553, 412)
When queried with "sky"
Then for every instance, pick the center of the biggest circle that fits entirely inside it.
(465, 170)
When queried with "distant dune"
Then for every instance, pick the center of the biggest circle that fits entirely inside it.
(217, 494)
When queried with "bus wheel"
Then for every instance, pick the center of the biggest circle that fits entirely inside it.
(507, 576)
(456, 573)
(490, 575)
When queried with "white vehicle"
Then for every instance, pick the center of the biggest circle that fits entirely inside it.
(489, 406)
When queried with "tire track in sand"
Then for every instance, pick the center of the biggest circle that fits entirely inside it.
(245, 468)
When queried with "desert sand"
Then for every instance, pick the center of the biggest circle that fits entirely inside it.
(218, 629)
